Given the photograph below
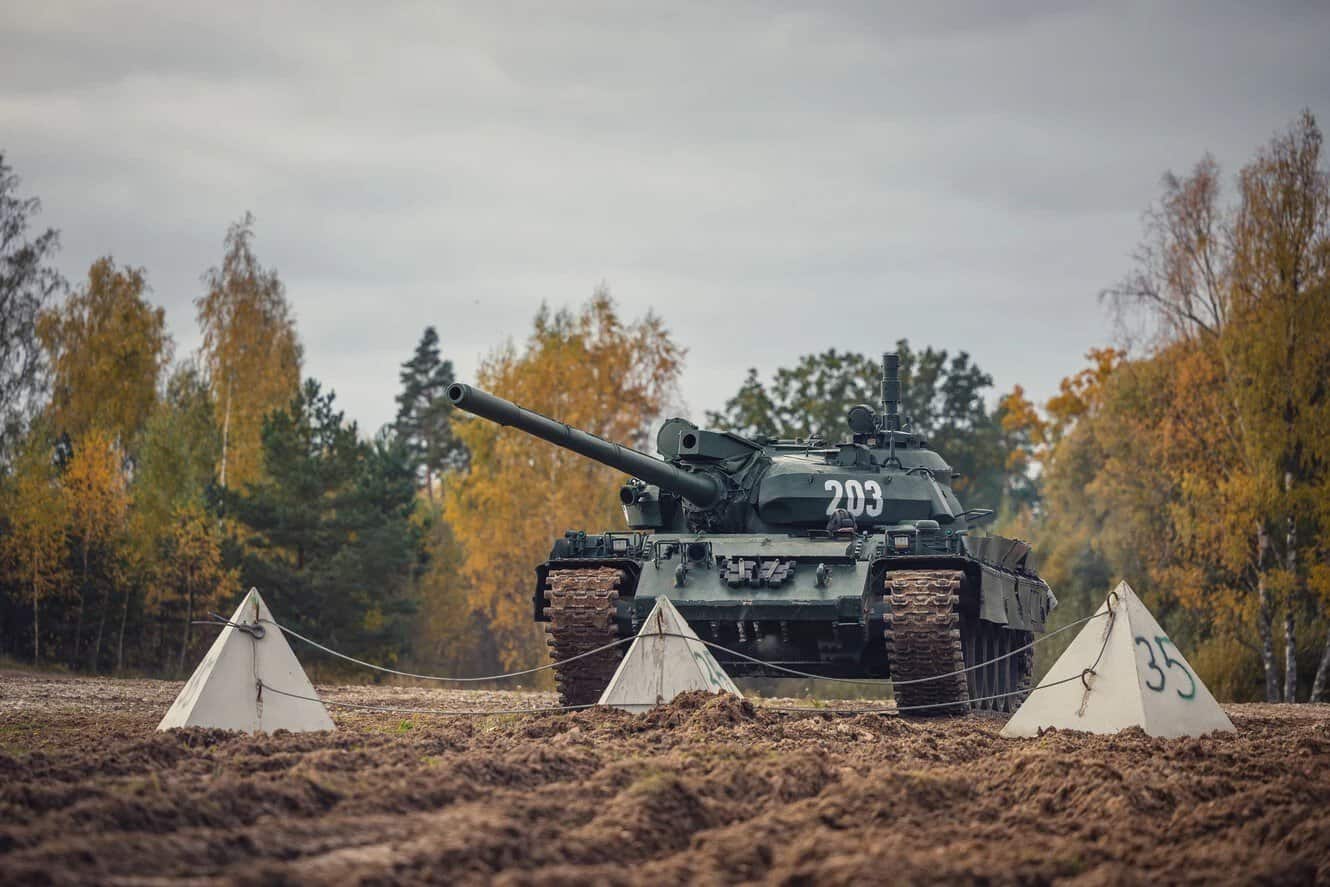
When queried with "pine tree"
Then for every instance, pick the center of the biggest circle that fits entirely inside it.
(424, 414)
(330, 537)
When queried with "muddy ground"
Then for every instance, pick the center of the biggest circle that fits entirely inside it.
(708, 790)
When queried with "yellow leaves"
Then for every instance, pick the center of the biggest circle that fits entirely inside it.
(373, 620)
(95, 488)
(108, 347)
(193, 572)
(1318, 583)
(588, 369)
(1020, 414)
(250, 350)
(33, 550)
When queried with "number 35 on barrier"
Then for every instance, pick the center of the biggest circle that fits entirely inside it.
(1158, 678)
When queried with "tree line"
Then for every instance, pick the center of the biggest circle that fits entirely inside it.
(1198, 465)
(141, 490)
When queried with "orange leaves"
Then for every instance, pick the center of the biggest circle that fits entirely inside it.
(33, 549)
(1078, 395)
(95, 489)
(591, 370)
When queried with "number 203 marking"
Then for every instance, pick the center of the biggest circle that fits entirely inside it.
(860, 498)
(1169, 662)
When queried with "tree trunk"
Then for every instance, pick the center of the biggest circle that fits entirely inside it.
(120, 641)
(37, 630)
(1291, 605)
(1322, 673)
(189, 619)
(1265, 617)
(101, 627)
(78, 623)
(226, 431)
(1290, 658)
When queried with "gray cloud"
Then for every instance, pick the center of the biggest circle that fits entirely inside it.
(771, 178)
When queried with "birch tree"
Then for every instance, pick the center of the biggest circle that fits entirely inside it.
(250, 351)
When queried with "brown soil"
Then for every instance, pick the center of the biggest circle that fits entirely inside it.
(708, 789)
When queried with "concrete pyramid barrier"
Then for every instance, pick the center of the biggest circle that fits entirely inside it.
(660, 664)
(224, 690)
(1142, 680)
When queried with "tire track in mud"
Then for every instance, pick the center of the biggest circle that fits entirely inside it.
(707, 789)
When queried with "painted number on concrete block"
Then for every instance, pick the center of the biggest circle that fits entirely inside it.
(1158, 683)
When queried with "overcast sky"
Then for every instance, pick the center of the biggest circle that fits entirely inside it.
(773, 179)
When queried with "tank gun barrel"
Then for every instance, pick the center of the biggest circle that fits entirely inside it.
(699, 488)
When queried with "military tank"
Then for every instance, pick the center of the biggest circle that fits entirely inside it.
(847, 559)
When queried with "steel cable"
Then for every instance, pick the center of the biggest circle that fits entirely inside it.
(895, 710)
(713, 644)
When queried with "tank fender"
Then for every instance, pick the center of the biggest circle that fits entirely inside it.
(1015, 600)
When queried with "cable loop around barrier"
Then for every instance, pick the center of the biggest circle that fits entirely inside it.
(253, 629)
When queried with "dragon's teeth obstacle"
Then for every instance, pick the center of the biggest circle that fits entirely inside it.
(665, 659)
(1121, 671)
(234, 687)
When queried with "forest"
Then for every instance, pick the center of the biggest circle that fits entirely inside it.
(142, 489)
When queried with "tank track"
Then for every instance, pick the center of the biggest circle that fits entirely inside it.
(581, 613)
(922, 631)
(925, 637)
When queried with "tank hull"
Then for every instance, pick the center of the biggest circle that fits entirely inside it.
(817, 604)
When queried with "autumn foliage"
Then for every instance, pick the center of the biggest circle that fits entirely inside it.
(1198, 467)
(587, 368)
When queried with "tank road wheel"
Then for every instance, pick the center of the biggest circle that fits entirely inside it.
(924, 639)
(1008, 679)
(581, 614)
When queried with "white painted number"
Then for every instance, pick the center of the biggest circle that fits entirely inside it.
(854, 497)
(860, 498)
(833, 487)
(875, 498)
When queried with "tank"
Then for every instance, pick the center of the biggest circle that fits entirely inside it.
(851, 558)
